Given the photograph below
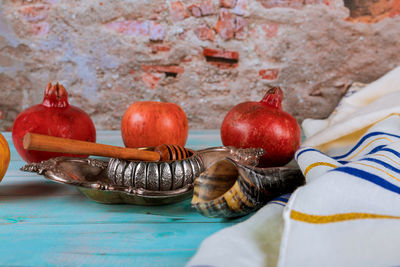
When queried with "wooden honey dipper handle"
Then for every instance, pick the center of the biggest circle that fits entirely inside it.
(63, 145)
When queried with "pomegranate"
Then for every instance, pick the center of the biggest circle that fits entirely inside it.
(151, 123)
(54, 117)
(263, 124)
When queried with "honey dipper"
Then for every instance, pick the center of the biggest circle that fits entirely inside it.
(40, 142)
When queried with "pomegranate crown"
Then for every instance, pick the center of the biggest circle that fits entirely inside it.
(273, 97)
(55, 96)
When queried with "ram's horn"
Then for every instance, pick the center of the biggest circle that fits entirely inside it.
(229, 189)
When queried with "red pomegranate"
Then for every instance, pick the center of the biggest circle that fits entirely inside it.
(263, 124)
(54, 117)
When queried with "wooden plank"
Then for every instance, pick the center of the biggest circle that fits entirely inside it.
(55, 208)
(139, 244)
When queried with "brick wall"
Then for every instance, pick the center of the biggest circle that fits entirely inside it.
(205, 55)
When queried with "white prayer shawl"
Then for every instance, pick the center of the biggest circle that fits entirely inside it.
(348, 214)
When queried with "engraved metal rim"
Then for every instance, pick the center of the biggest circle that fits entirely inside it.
(122, 189)
(155, 176)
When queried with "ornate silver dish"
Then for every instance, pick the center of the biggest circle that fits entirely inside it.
(140, 183)
(90, 178)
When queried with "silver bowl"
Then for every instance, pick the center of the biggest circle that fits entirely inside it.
(90, 178)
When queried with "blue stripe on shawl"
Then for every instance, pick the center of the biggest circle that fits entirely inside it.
(287, 196)
(305, 150)
(281, 199)
(278, 203)
(376, 149)
(391, 151)
(384, 164)
(369, 177)
(365, 137)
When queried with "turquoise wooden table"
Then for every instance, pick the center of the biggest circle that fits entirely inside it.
(43, 223)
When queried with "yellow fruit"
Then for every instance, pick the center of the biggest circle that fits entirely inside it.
(4, 156)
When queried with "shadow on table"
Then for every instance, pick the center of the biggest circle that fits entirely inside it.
(178, 212)
(30, 190)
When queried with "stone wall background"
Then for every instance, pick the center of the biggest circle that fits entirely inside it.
(205, 55)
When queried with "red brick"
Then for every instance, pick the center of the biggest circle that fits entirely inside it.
(207, 7)
(204, 8)
(151, 79)
(130, 27)
(241, 28)
(178, 11)
(219, 53)
(221, 58)
(41, 28)
(226, 24)
(157, 31)
(2, 115)
(395, 9)
(269, 74)
(282, 3)
(240, 8)
(160, 69)
(224, 65)
(195, 10)
(34, 13)
(227, 3)
(160, 48)
(372, 11)
(204, 33)
(271, 30)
